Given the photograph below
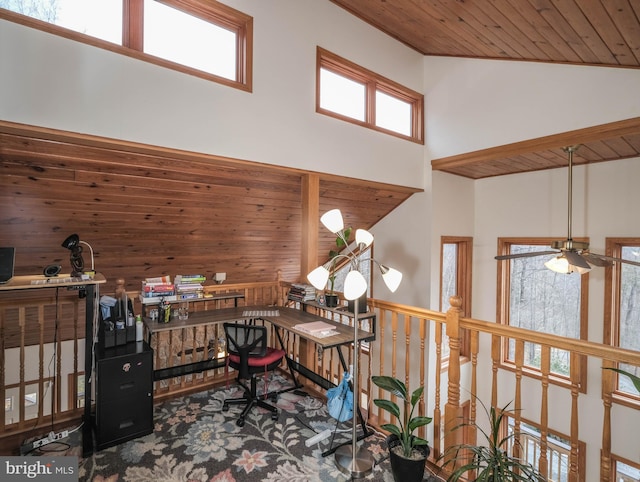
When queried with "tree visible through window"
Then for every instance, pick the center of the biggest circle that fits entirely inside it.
(623, 287)
(536, 298)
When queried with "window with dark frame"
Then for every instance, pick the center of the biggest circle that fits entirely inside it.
(349, 92)
(207, 39)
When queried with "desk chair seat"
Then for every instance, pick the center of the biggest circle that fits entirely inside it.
(249, 354)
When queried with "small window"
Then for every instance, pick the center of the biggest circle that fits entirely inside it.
(354, 94)
(206, 39)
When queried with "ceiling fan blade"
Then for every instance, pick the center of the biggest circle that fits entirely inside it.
(525, 255)
(576, 260)
(615, 260)
(597, 260)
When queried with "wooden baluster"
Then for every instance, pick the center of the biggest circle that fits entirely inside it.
(608, 387)
(41, 390)
(3, 374)
(437, 437)
(517, 440)
(407, 350)
(452, 409)
(545, 366)
(496, 351)
(422, 324)
(20, 401)
(475, 340)
(575, 390)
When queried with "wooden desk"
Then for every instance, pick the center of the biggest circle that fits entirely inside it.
(90, 292)
(285, 320)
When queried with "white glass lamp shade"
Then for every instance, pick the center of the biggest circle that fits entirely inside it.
(319, 277)
(332, 220)
(391, 277)
(559, 264)
(354, 285)
(363, 237)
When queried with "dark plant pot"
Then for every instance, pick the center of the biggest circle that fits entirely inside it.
(403, 469)
(331, 300)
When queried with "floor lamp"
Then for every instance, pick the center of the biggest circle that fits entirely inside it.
(350, 460)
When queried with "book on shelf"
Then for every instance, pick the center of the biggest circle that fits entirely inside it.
(190, 278)
(151, 300)
(302, 292)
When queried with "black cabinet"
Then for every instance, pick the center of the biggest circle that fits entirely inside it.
(124, 393)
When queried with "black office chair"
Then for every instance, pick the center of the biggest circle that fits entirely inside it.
(248, 353)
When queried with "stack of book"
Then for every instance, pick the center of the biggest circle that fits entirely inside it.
(155, 289)
(302, 292)
(189, 286)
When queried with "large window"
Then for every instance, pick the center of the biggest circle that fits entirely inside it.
(354, 94)
(535, 298)
(622, 286)
(198, 37)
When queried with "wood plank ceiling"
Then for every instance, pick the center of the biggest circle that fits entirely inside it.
(587, 32)
(149, 211)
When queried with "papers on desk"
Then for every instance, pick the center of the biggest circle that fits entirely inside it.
(319, 329)
(259, 313)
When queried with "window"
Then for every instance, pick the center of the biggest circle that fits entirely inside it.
(624, 470)
(354, 94)
(455, 279)
(535, 298)
(622, 285)
(206, 39)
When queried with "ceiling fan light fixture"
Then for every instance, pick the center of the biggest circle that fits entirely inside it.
(559, 264)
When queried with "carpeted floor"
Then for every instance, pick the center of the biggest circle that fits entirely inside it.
(194, 440)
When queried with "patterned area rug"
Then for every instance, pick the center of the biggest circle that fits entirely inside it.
(194, 440)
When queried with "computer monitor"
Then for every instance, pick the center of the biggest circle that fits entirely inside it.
(7, 259)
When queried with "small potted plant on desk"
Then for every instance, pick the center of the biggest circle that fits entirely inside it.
(331, 298)
(407, 452)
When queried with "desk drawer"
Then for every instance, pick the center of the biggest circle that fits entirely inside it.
(123, 420)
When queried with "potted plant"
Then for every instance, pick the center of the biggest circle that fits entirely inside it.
(492, 462)
(331, 298)
(407, 452)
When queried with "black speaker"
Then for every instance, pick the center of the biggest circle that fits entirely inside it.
(52, 270)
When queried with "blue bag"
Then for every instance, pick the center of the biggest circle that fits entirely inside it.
(340, 400)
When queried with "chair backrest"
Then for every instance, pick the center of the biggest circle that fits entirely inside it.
(246, 341)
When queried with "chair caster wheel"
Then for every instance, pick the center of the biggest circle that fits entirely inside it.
(274, 397)
(274, 417)
(240, 422)
(225, 407)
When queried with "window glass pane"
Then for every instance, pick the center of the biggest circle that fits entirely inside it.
(629, 312)
(342, 95)
(393, 114)
(545, 301)
(100, 19)
(449, 271)
(188, 40)
(626, 473)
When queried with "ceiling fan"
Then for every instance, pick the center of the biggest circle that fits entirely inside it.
(572, 255)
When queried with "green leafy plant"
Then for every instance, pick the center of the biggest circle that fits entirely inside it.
(407, 423)
(631, 376)
(491, 462)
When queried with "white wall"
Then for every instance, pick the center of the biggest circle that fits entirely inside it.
(54, 82)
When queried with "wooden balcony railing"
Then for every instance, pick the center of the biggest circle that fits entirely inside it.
(408, 345)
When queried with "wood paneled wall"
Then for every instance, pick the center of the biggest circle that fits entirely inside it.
(149, 211)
